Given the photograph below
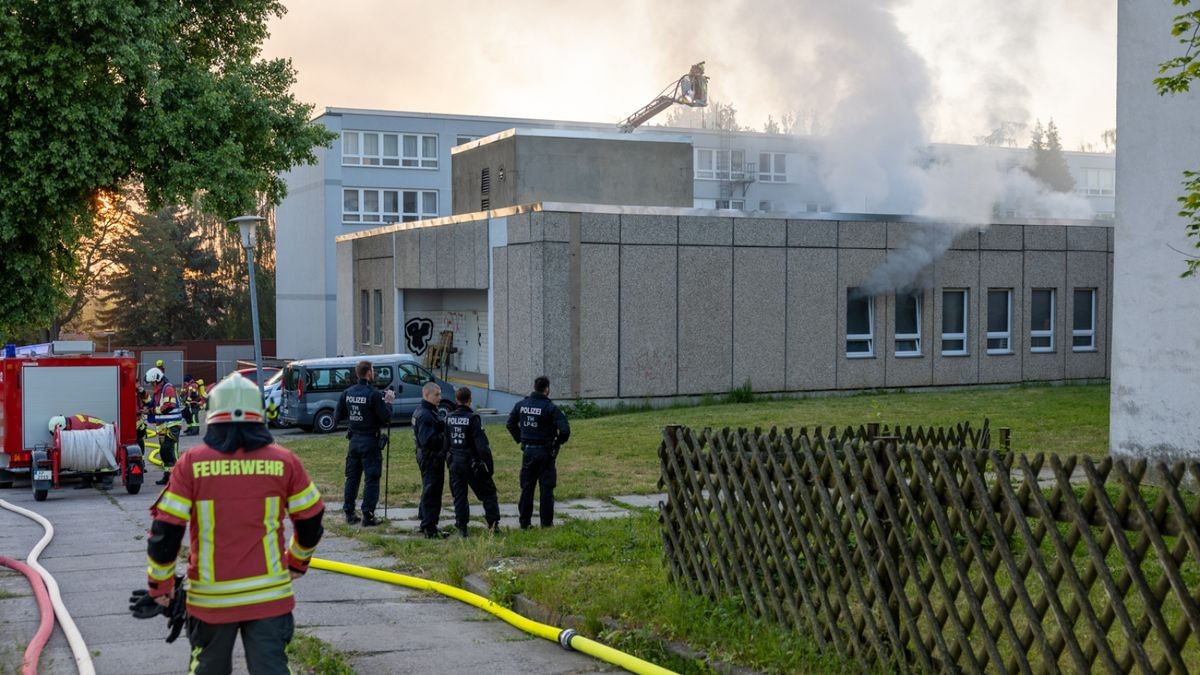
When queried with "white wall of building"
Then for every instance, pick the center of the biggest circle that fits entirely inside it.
(1156, 315)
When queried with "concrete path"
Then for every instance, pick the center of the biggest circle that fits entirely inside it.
(98, 557)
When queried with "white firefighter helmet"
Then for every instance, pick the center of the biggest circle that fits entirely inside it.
(235, 399)
(154, 376)
(57, 422)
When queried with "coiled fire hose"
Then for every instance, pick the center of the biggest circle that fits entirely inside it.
(83, 660)
(568, 638)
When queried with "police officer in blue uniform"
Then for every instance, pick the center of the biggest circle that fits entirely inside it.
(471, 464)
(428, 435)
(541, 429)
(368, 410)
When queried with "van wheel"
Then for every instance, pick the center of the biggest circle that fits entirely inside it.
(323, 422)
(39, 495)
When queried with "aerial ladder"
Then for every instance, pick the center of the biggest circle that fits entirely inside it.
(690, 90)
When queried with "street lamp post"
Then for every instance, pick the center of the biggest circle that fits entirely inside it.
(248, 225)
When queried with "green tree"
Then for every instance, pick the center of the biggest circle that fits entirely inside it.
(168, 94)
(165, 288)
(1176, 77)
(1049, 165)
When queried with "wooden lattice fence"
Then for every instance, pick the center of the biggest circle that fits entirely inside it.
(928, 550)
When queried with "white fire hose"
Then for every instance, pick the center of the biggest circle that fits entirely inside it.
(86, 449)
(83, 661)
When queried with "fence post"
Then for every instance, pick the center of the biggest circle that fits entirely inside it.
(891, 598)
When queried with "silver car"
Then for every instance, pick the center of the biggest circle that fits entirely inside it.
(310, 389)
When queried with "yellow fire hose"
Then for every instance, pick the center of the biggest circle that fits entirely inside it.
(568, 638)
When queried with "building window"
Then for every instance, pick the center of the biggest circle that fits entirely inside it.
(712, 164)
(860, 324)
(772, 167)
(463, 139)
(374, 148)
(736, 204)
(954, 322)
(368, 205)
(378, 317)
(1041, 320)
(908, 323)
(364, 316)
(999, 321)
(1097, 183)
(1083, 328)
(764, 205)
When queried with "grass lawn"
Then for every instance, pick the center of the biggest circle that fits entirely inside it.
(615, 569)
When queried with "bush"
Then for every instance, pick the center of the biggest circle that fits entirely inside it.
(742, 394)
(582, 410)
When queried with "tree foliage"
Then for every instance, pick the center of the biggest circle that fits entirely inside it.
(168, 94)
(182, 275)
(1049, 165)
(1176, 75)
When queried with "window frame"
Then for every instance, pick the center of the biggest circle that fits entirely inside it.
(773, 175)
(1006, 334)
(364, 319)
(965, 303)
(869, 337)
(731, 204)
(1042, 333)
(721, 164)
(377, 296)
(383, 216)
(1089, 333)
(381, 158)
(915, 338)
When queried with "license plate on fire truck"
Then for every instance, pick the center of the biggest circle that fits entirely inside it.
(42, 474)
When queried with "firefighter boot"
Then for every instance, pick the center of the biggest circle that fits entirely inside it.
(166, 478)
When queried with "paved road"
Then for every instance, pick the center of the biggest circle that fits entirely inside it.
(98, 556)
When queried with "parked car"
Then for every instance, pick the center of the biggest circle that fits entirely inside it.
(273, 391)
(252, 374)
(311, 388)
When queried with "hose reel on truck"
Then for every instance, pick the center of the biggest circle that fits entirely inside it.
(34, 389)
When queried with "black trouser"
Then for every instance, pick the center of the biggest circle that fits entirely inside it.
(194, 423)
(363, 460)
(537, 470)
(433, 481)
(167, 436)
(264, 640)
(187, 415)
(462, 476)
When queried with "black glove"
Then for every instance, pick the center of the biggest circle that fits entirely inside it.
(177, 611)
(383, 441)
(142, 606)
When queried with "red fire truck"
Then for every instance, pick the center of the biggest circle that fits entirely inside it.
(34, 389)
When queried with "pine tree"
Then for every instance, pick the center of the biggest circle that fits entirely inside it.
(1049, 165)
(166, 288)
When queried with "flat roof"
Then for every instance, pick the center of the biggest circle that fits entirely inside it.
(573, 133)
(570, 207)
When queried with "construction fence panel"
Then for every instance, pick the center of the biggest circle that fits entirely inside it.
(930, 551)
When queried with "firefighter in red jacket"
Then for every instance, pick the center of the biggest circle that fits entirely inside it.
(76, 422)
(233, 493)
(164, 413)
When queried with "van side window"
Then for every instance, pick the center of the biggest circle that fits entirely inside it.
(412, 374)
(329, 379)
(383, 376)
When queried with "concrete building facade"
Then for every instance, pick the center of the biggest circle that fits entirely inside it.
(1156, 330)
(390, 166)
(651, 302)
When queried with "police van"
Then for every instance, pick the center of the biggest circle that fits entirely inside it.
(311, 388)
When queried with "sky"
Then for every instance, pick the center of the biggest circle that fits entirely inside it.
(946, 70)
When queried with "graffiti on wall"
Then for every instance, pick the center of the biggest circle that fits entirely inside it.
(417, 333)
